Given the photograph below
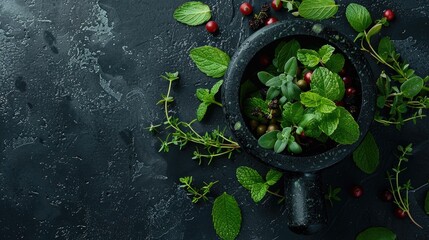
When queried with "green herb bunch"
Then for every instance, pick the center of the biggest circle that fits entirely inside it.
(402, 96)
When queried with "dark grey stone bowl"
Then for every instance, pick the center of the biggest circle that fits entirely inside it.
(304, 202)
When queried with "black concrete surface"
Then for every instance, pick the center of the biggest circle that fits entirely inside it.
(79, 81)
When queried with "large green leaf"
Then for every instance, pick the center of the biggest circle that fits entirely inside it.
(347, 131)
(192, 13)
(226, 216)
(247, 177)
(327, 84)
(317, 9)
(358, 17)
(210, 60)
(329, 122)
(367, 155)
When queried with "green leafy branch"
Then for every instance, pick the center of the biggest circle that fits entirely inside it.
(401, 192)
(197, 194)
(207, 97)
(215, 144)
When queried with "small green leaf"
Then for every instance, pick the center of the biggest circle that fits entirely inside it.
(358, 17)
(268, 140)
(273, 176)
(308, 57)
(258, 191)
(210, 60)
(273, 92)
(216, 87)
(203, 94)
(385, 48)
(294, 147)
(325, 52)
(280, 145)
(192, 13)
(427, 203)
(412, 87)
(264, 76)
(381, 101)
(367, 155)
(374, 30)
(247, 177)
(376, 233)
(310, 99)
(274, 82)
(329, 122)
(317, 9)
(201, 110)
(327, 84)
(285, 51)
(291, 66)
(336, 63)
(226, 216)
(347, 131)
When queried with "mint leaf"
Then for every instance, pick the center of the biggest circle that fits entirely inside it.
(273, 176)
(292, 113)
(203, 94)
(264, 76)
(308, 57)
(347, 131)
(386, 48)
(317, 9)
(327, 84)
(358, 17)
(226, 216)
(284, 52)
(326, 106)
(325, 52)
(210, 60)
(376, 233)
(216, 87)
(329, 122)
(192, 13)
(367, 155)
(427, 203)
(258, 191)
(248, 177)
(412, 87)
(201, 111)
(336, 63)
(310, 99)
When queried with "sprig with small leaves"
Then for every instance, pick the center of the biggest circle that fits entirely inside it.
(207, 98)
(197, 194)
(209, 145)
(332, 195)
(401, 191)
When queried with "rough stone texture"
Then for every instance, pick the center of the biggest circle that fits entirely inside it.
(78, 85)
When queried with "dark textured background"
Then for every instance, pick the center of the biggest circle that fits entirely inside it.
(78, 85)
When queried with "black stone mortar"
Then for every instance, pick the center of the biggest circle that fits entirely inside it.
(305, 207)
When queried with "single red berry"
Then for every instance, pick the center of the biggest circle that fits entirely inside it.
(271, 20)
(212, 27)
(389, 15)
(351, 91)
(357, 191)
(340, 103)
(347, 81)
(246, 8)
(387, 196)
(264, 60)
(399, 213)
(307, 76)
(275, 6)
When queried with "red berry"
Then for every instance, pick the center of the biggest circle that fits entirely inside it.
(399, 213)
(347, 81)
(246, 8)
(271, 20)
(264, 60)
(357, 191)
(351, 91)
(307, 76)
(340, 103)
(212, 27)
(275, 6)
(302, 134)
(387, 196)
(389, 15)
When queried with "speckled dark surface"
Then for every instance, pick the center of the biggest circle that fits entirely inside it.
(78, 85)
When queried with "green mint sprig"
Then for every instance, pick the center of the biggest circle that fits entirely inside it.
(197, 194)
(207, 97)
(324, 57)
(192, 13)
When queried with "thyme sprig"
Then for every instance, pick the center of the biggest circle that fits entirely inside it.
(197, 194)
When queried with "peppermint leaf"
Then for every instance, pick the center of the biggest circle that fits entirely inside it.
(226, 216)
(358, 17)
(427, 203)
(310, 99)
(292, 113)
(376, 233)
(367, 155)
(192, 13)
(317, 9)
(216, 87)
(273, 176)
(327, 84)
(347, 131)
(329, 122)
(326, 106)
(308, 57)
(248, 177)
(336, 63)
(258, 191)
(210, 60)
(202, 94)
(325, 52)
(201, 110)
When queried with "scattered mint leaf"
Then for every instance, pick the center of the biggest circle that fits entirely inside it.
(412, 87)
(367, 155)
(325, 52)
(427, 203)
(284, 52)
(273, 176)
(258, 191)
(210, 60)
(317, 9)
(376, 233)
(201, 111)
(192, 13)
(268, 140)
(308, 57)
(216, 87)
(347, 131)
(226, 216)
(329, 122)
(207, 97)
(336, 63)
(203, 94)
(358, 17)
(386, 48)
(327, 84)
(248, 177)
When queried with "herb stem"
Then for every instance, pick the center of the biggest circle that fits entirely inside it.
(275, 194)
